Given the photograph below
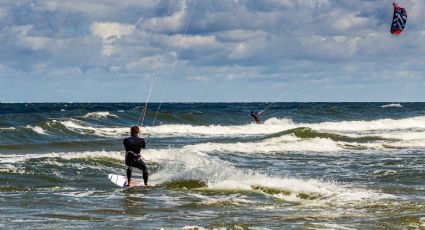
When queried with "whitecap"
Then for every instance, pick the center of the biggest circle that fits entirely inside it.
(19, 158)
(36, 129)
(393, 105)
(7, 128)
(99, 115)
(274, 145)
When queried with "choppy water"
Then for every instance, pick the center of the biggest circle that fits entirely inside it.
(309, 166)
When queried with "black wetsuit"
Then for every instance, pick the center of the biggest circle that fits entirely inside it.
(256, 117)
(133, 145)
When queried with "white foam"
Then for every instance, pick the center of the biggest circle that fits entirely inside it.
(219, 130)
(84, 128)
(221, 175)
(10, 168)
(194, 227)
(405, 144)
(386, 145)
(7, 128)
(404, 135)
(393, 105)
(178, 130)
(99, 115)
(374, 125)
(184, 164)
(36, 129)
(18, 158)
(272, 125)
(409, 132)
(272, 145)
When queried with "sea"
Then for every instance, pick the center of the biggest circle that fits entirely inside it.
(308, 166)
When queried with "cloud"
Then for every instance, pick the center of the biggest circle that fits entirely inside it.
(275, 41)
(109, 33)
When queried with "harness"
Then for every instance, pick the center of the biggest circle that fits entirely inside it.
(130, 156)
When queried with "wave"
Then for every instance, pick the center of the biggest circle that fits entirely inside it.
(56, 165)
(305, 132)
(273, 145)
(180, 168)
(275, 125)
(190, 169)
(99, 115)
(307, 140)
(85, 128)
(36, 129)
(20, 158)
(272, 126)
(393, 105)
(7, 128)
(88, 129)
(374, 125)
(272, 136)
(220, 130)
(420, 144)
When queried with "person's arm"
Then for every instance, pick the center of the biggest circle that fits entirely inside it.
(143, 143)
(124, 142)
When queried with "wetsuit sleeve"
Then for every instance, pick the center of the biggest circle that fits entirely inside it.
(143, 144)
(124, 143)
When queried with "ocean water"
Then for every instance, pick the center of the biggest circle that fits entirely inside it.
(309, 166)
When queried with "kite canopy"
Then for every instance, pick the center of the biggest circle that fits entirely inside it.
(399, 19)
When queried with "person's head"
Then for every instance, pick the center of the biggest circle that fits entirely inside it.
(134, 131)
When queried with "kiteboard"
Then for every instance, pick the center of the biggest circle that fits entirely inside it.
(121, 181)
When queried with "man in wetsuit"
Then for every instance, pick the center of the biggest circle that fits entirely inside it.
(133, 145)
(256, 117)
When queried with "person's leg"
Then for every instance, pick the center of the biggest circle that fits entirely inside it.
(128, 176)
(142, 166)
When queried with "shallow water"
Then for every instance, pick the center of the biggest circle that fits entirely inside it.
(309, 166)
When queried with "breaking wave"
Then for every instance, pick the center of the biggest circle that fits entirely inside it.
(271, 126)
(272, 136)
(201, 171)
(99, 115)
(36, 129)
(196, 171)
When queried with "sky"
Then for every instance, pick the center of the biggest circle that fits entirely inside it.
(210, 51)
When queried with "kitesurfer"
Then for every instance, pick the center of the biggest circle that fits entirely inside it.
(133, 145)
(256, 117)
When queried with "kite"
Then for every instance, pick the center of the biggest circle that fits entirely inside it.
(399, 19)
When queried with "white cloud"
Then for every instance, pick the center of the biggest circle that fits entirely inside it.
(109, 32)
(351, 21)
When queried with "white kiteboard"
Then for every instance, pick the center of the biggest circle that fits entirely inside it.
(122, 181)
